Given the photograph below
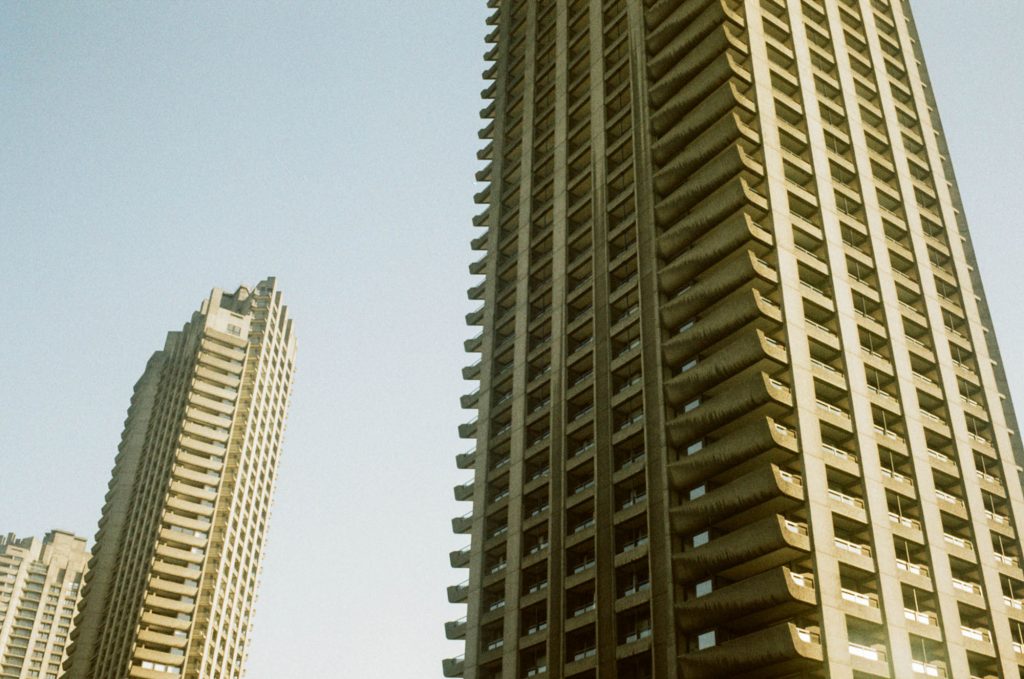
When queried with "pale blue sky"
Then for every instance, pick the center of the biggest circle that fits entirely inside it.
(149, 152)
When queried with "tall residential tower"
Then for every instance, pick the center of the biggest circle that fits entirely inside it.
(173, 577)
(741, 411)
(40, 581)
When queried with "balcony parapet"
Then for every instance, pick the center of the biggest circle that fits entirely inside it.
(453, 667)
(464, 491)
(752, 396)
(455, 629)
(468, 430)
(756, 547)
(764, 491)
(746, 307)
(753, 351)
(781, 650)
(459, 558)
(665, 20)
(745, 270)
(749, 604)
(735, 233)
(462, 524)
(734, 453)
(720, 171)
(457, 594)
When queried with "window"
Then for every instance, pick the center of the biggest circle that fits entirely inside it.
(706, 640)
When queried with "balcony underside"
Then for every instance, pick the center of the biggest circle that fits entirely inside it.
(747, 605)
(750, 398)
(752, 445)
(744, 308)
(762, 492)
(756, 547)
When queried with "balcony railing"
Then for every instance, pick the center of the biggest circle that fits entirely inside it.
(852, 547)
(859, 598)
(914, 568)
(964, 586)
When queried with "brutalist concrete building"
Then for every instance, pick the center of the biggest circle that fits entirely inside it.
(741, 410)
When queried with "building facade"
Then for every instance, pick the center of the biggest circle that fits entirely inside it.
(175, 568)
(741, 410)
(40, 582)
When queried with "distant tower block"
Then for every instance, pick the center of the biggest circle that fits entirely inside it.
(180, 542)
(40, 581)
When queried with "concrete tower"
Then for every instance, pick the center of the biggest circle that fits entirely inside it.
(741, 412)
(175, 568)
(40, 581)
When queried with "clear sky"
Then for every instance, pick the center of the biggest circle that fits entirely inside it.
(151, 151)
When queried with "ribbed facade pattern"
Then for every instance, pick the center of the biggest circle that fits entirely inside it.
(741, 412)
(175, 568)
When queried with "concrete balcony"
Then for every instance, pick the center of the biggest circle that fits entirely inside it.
(482, 197)
(159, 603)
(453, 667)
(151, 637)
(696, 185)
(169, 659)
(749, 353)
(666, 22)
(714, 209)
(466, 460)
(213, 466)
(138, 672)
(462, 524)
(184, 505)
(175, 537)
(753, 496)
(687, 262)
(753, 397)
(455, 629)
(458, 594)
(472, 372)
(174, 570)
(782, 650)
(486, 174)
(688, 302)
(459, 558)
(181, 472)
(735, 454)
(165, 621)
(160, 586)
(203, 448)
(750, 604)
(464, 491)
(468, 430)
(480, 242)
(743, 308)
(759, 546)
(186, 523)
(681, 117)
(470, 400)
